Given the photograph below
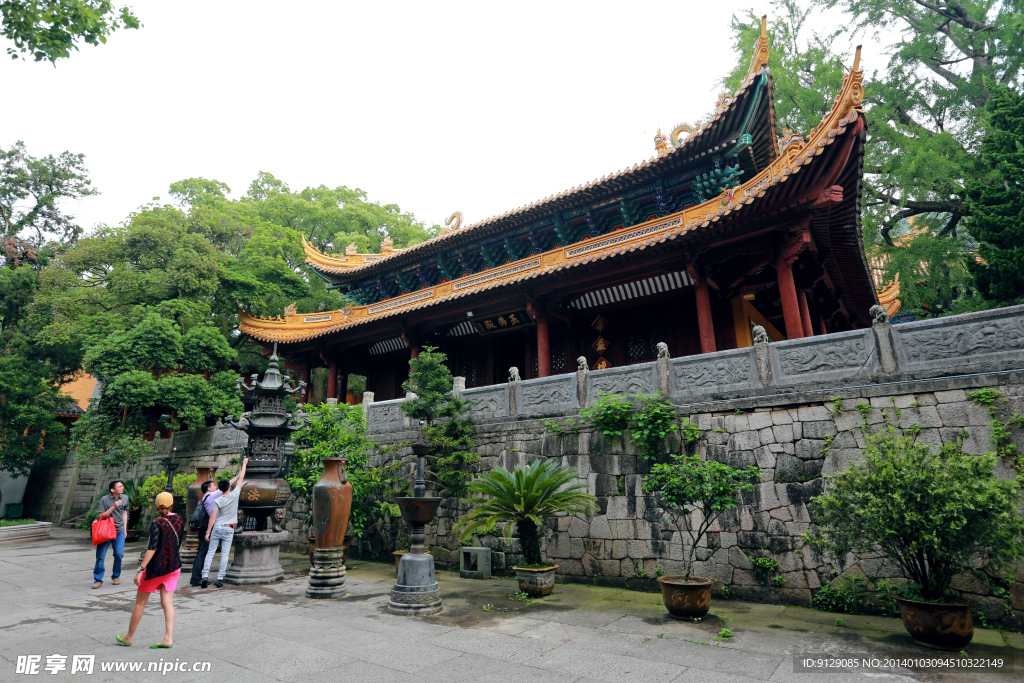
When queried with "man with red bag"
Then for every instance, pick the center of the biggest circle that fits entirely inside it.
(115, 505)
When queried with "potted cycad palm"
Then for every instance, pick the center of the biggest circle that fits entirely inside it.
(523, 499)
(933, 513)
(685, 485)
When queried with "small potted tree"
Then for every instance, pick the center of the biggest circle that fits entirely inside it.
(523, 499)
(933, 513)
(685, 485)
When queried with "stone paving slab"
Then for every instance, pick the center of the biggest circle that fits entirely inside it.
(579, 634)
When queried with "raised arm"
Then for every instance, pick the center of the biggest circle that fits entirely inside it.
(241, 474)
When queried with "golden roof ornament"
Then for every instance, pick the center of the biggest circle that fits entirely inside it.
(351, 249)
(387, 244)
(453, 223)
(760, 57)
(291, 309)
(660, 144)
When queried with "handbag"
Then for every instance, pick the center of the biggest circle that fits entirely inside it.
(103, 530)
(200, 518)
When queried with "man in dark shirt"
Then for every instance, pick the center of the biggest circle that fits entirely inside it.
(115, 505)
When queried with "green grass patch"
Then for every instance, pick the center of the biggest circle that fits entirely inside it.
(16, 522)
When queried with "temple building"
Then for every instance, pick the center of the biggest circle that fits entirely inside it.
(730, 224)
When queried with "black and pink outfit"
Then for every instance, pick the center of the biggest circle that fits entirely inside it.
(163, 569)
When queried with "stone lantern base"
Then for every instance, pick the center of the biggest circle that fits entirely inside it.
(416, 591)
(257, 558)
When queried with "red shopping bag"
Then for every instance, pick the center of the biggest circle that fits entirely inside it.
(103, 530)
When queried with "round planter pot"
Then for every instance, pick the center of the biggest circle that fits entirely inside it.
(536, 582)
(132, 535)
(939, 625)
(686, 599)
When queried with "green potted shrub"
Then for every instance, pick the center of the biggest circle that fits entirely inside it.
(933, 513)
(682, 486)
(523, 499)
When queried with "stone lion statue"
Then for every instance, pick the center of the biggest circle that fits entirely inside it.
(581, 364)
(760, 336)
(662, 350)
(878, 313)
(513, 374)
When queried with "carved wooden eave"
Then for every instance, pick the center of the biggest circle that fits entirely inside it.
(844, 121)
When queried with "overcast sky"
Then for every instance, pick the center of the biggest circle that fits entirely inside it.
(442, 106)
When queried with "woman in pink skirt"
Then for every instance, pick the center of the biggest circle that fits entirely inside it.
(160, 568)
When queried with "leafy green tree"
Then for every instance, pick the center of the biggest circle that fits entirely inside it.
(32, 189)
(153, 367)
(31, 368)
(996, 201)
(51, 29)
(452, 439)
(932, 512)
(925, 111)
(525, 499)
(334, 218)
(687, 485)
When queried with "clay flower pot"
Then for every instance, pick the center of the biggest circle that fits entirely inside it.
(536, 582)
(332, 504)
(939, 625)
(686, 598)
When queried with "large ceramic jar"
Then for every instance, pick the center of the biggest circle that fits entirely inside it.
(194, 495)
(332, 504)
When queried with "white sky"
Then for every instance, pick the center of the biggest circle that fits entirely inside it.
(436, 106)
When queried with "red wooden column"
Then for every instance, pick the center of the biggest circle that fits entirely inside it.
(414, 351)
(705, 322)
(543, 347)
(790, 302)
(332, 379)
(805, 313)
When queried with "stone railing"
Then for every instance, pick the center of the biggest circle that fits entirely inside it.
(988, 341)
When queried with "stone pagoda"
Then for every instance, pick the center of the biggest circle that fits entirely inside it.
(259, 535)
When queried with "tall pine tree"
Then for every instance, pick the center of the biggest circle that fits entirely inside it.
(996, 201)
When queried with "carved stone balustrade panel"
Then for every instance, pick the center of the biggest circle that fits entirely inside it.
(994, 338)
(712, 373)
(828, 358)
(632, 379)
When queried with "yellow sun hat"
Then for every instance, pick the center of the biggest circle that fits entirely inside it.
(164, 498)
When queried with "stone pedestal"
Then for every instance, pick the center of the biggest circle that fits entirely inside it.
(257, 556)
(327, 575)
(188, 551)
(416, 591)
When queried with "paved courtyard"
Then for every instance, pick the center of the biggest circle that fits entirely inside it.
(579, 634)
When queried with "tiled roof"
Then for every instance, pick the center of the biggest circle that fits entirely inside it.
(798, 155)
(336, 265)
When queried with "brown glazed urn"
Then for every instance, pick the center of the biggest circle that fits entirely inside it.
(332, 504)
(194, 495)
(686, 598)
(939, 625)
